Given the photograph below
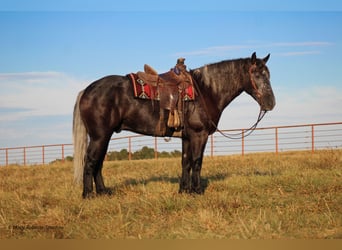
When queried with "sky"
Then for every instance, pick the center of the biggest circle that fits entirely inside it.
(51, 50)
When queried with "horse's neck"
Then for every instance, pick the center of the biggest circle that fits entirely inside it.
(224, 82)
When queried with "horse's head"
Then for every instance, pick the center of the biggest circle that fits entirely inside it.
(259, 85)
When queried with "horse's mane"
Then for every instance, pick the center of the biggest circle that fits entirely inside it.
(230, 70)
(225, 63)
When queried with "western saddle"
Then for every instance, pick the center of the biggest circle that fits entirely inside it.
(171, 86)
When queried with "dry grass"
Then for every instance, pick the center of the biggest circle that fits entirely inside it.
(261, 196)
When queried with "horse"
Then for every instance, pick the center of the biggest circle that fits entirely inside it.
(107, 105)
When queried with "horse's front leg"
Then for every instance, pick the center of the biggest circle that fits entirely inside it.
(196, 186)
(184, 185)
(192, 157)
(198, 145)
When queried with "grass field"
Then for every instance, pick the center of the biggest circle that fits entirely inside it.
(258, 196)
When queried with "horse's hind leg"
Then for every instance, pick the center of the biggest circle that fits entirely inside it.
(93, 168)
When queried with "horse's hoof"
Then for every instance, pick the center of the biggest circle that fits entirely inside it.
(106, 191)
(199, 191)
(88, 195)
(184, 191)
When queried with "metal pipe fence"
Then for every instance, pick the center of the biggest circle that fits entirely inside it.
(277, 139)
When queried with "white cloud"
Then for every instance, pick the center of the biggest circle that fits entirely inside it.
(37, 94)
(28, 102)
(36, 107)
(218, 50)
(300, 44)
(298, 53)
(318, 104)
(29, 76)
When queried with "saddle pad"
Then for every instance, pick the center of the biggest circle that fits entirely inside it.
(144, 90)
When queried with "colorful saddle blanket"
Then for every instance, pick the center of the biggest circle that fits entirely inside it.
(145, 90)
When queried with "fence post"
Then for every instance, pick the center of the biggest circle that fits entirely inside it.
(62, 153)
(243, 142)
(43, 155)
(155, 148)
(6, 157)
(24, 156)
(276, 140)
(129, 148)
(312, 138)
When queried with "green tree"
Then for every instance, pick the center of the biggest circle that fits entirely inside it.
(117, 156)
(144, 153)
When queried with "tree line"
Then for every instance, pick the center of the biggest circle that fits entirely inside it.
(143, 153)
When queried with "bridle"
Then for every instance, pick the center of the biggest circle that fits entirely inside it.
(245, 132)
(254, 85)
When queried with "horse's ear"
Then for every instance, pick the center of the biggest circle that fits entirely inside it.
(253, 58)
(266, 58)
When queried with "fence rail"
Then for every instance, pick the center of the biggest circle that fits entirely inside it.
(266, 139)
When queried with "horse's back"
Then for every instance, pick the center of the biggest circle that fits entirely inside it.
(105, 85)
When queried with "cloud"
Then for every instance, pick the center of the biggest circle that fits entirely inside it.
(36, 107)
(12, 110)
(298, 53)
(30, 94)
(29, 76)
(213, 50)
(300, 44)
(317, 104)
(218, 50)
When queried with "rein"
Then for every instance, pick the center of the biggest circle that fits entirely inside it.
(245, 132)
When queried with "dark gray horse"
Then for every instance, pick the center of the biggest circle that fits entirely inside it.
(108, 105)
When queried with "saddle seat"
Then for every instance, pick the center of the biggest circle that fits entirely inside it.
(171, 78)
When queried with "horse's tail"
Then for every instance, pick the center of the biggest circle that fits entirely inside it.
(80, 139)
